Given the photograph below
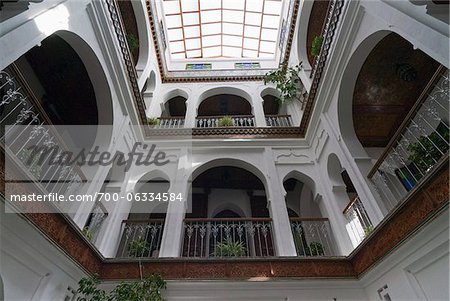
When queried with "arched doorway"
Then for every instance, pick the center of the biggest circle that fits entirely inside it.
(143, 230)
(61, 82)
(229, 215)
(310, 230)
(219, 107)
(398, 114)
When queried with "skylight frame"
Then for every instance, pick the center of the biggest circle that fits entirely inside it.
(221, 44)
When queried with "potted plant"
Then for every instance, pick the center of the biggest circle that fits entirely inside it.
(316, 46)
(427, 150)
(286, 80)
(226, 121)
(230, 249)
(138, 248)
(88, 233)
(368, 230)
(152, 121)
(148, 288)
(133, 42)
(316, 249)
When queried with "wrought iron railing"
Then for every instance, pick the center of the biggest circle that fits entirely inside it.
(215, 121)
(279, 120)
(312, 236)
(95, 221)
(358, 222)
(420, 143)
(228, 237)
(141, 238)
(21, 108)
(170, 123)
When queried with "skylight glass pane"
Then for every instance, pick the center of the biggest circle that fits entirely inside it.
(173, 21)
(230, 28)
(273, 7)
(234, 4)
(250, 53)
(269, 34)
(211, 41)
(251, 44)
(189, 5)
(193, 44)
(175, 34)
(222, 28)
(193, 54)
(252, 31)
(253, 19)
(268, 47)
(211, 16)
(212, 51)
(177, 56)
(231, 51)
(254, 5)
(192, 31)
(171, 7)
(271, 21)
(233, 16)
(209, 29)
(190, 19)
(210, 4)
(176, 46)
(232, 40)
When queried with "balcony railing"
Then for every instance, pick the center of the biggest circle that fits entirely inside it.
(421, 142)
(358, 221)
(312, 236)
(141, 238)
(20, 107)
(214, 121)
(170, 123)
(279, 120)
(228, 237)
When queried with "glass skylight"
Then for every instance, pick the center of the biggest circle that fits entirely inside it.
(222, 28)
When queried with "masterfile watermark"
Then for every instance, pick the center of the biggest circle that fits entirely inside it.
(67, 168)
(140, 154)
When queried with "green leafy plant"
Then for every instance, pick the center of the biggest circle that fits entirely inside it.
(286, 80)
(133, 42)
(316, 249)
(368, 230)
(88, 233)
(146, 289)
(226, 121)
(152, 121)
(316, 45)
(427, 150)
(302, 248)
(138, 248)
(230, 249)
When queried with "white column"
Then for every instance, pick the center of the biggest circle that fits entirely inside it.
(111, 231)
(258, 111)
(284, 242)
(172, 238)
(191, 110)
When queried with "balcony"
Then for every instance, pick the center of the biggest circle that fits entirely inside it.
(312, 236)
(420, 144)
(359, 225)
(228, 237)
(141, 238)
(279, 120)
(170, 123)
(31, 126)
(225, 121)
